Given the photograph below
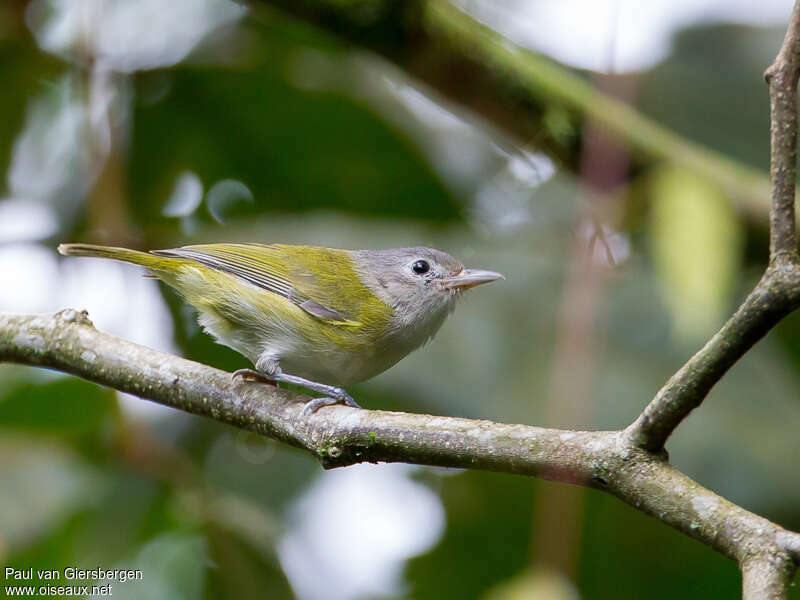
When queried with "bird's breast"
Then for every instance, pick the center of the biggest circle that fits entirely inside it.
(342, 356)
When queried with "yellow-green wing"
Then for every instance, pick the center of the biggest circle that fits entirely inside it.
(321, 281)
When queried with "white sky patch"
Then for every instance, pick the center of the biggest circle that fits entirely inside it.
(618, 35)
(186, 196)
(502, 182)
(426, 110)
(531, 169)
(26, 220)
(353, 530)
(456, 148)
(50, 158)
(28, 278)
(128, 35)
(505, 202)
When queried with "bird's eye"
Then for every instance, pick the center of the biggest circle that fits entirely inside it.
(420, 267)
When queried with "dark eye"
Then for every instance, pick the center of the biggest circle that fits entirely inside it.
(420, 267)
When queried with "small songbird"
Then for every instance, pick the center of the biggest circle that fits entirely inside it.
(316, 317)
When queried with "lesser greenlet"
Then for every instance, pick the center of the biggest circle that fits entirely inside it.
(317, 317)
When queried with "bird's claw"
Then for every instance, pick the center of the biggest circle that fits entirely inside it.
(335, 395)
(314, 405)
(338, 396)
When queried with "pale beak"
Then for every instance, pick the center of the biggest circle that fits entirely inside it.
(469, 278)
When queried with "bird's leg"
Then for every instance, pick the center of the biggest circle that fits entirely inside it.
(253, 375)
(268, 371)
(333, 394)
(267, 368)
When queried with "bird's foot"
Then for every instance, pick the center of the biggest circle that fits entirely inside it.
(337, 396)
(333, 394)
(253, 375)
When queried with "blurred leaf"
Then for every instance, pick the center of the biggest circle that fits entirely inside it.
(295, 150)
(242, 571)
(67, 405)
(696, 241)
(743, 442)
(541, 584)
(250, 522)
(26, 465)
(27, 72)
(269, 475)
(173, 568)
(489, 520)
(116, 506)
(628, 555)
(711, 89)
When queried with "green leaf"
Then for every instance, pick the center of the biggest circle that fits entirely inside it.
(43, 482)
(696, 243)
(64, 405)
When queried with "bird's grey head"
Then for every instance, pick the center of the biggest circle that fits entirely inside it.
(421, 284)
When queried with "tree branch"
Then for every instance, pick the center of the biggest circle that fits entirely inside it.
(339, 436)
(767, 578)
(782, 78)
(778, 292)
(775, 296)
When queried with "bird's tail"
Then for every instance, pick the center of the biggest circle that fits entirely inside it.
(124, 254)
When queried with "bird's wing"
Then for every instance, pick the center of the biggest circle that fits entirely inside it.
(309, 277)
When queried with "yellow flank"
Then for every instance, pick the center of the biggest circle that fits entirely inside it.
(326, 276)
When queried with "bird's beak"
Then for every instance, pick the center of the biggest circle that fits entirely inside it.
(469, 278)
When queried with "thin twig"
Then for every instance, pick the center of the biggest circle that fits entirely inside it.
(782, 78)
(775, 296)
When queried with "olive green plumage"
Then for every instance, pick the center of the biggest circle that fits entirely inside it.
(327, 316)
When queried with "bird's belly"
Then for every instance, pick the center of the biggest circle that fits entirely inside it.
(332, 365)
(337, 356)
(322, 359)
(343, 360)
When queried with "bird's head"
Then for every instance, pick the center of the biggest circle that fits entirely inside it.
(420, 284)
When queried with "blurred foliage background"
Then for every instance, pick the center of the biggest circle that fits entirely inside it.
(155, 125)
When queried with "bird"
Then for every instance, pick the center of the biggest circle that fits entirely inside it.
(320, 318)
